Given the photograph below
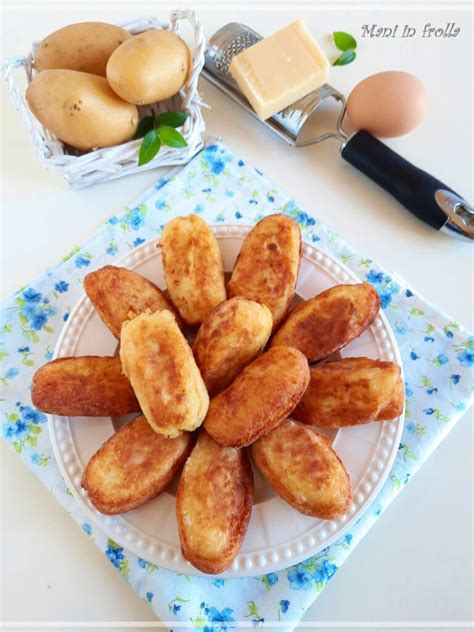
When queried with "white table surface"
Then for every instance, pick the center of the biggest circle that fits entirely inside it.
(416, 562)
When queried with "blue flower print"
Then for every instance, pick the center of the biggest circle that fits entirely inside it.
(214, 159)
(223, 617)
(384, 286)
(199, 208)
(11, 373)
(112, 249)
(408, 391)
(466, 357)
(238, 215)
(241, 163)
(348, 538)
(374, 277)
(428, 411)
(138, 242)
(61, 286)
(284, 605)
(113, 220)
(87, 528)
(135, 219)
(115, 555)
(270, 198)
(413, 356)
(15, 430)
(82, 262)
(160, 204)
(31, 415)
(65, 316)
(175, 608)
(32, 296)
(161, 183)
(149, 596)
(218, 583)
(23, 349)
(300, 578)
(272, 578)
(142, 563)
(408, 293)
(441, 359)
(455, 378)
(325, 571)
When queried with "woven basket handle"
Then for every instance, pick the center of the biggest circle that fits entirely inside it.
(19, 100)
(200, 46)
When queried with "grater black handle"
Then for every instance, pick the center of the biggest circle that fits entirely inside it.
(418, 191)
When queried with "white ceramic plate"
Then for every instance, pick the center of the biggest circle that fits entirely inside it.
(278, 536)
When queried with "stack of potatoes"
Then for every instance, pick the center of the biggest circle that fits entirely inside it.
(92, 76)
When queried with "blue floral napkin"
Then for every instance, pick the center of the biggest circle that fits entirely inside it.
(438, 356)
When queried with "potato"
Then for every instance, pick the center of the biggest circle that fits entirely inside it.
(133, 466)
(266, 269)
(302, 468)
(350, 392)
(149, 67)
(330, 320)
(193, 267)
(234, 334)
(213, 504)
(260, 398)
(85, 46)
(81, 109)
(160, 365)
(119, 294)
(87, 386)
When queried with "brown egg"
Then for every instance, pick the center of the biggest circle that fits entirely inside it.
(387, 104)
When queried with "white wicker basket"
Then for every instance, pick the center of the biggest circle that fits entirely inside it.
(82, 169)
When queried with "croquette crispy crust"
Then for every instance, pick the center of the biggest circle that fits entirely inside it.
(159, 363)
(135, 465)
(118, 294)
(86, 386)
(330, 320)
(193, 267)
(213, 504)
(234, 334)
(266, 269)
(302, 468)
(258, 399)
(350, 392)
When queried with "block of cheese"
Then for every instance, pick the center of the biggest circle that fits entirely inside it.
(280, 69)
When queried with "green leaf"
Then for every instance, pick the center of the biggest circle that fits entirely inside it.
(144, 126)
(32, 441)
(344, 41)
(173, 119)
(149, 148)
(34, 429)
(345, 58)
(171, 137)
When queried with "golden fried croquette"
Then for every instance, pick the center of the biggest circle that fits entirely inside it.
(134, 466)
(234, 334)
(118, 294)
(160, 365)
(266, 268)
(350, 392)
(193, 267)
(213, 504)
(330, 320)
(260, 398)
(86, 386)
(302, 467)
